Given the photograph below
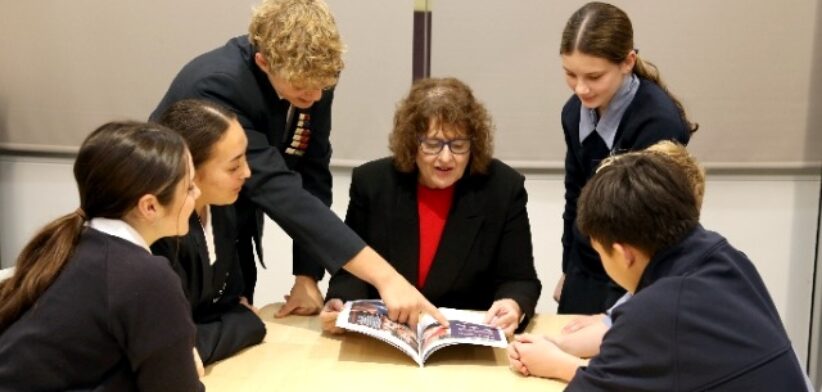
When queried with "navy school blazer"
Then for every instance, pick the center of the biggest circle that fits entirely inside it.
(224, 326)
(293, 189)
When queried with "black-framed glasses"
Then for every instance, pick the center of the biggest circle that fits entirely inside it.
(434, 146)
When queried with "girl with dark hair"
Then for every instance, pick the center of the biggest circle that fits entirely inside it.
(206, 258)
(619, 104)
(88, 306)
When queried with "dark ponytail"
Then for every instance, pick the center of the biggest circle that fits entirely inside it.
(106, 168)
(38, 265)
(647, 70)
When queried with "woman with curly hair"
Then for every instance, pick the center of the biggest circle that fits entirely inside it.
(449, 217)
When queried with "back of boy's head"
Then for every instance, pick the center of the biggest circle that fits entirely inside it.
(299, 40)
(643, 200)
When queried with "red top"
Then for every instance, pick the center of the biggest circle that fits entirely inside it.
(433, 206)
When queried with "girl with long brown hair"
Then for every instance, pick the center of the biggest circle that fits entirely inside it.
(619, 104)
(88, 306)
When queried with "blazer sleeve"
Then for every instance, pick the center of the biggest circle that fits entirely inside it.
(515, 274)
(231, 332)
(316, 175)
(343, 285)
(160, 356)
(279, 192)
(637, 352)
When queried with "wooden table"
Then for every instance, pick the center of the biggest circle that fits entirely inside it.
(297, 356)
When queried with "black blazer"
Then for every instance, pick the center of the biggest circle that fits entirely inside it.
(224, 326)
(294, 190)
(650, 117)
(485, 252)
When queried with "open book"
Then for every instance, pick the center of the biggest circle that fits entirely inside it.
(370, 317)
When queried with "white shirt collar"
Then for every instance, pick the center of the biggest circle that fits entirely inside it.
(208, 233)
(120, 229)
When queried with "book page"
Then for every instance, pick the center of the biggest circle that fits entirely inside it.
(370, 317)
(466, 327)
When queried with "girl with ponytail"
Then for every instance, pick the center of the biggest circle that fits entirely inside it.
(619, 104)
(88, 306)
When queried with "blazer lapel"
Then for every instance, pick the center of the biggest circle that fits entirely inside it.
(458, 236)
(405, 234)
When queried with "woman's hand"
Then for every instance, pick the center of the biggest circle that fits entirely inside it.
(504, 313)
(328, 316)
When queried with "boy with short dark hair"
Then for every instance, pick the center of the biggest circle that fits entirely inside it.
(700, 318)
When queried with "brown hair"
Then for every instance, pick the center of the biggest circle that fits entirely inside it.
(605, 31)
(106, 168)
(448, 101)
(299, 40)
(644, 200)
(201, 123)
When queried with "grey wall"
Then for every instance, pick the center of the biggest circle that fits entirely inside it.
(69, 66)
(743, 69)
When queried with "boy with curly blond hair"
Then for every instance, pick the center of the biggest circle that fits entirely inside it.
(279, 80)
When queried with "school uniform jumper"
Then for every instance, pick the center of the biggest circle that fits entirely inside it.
(649, 118)
(701, 320)
(290, 177)
(115, 319)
